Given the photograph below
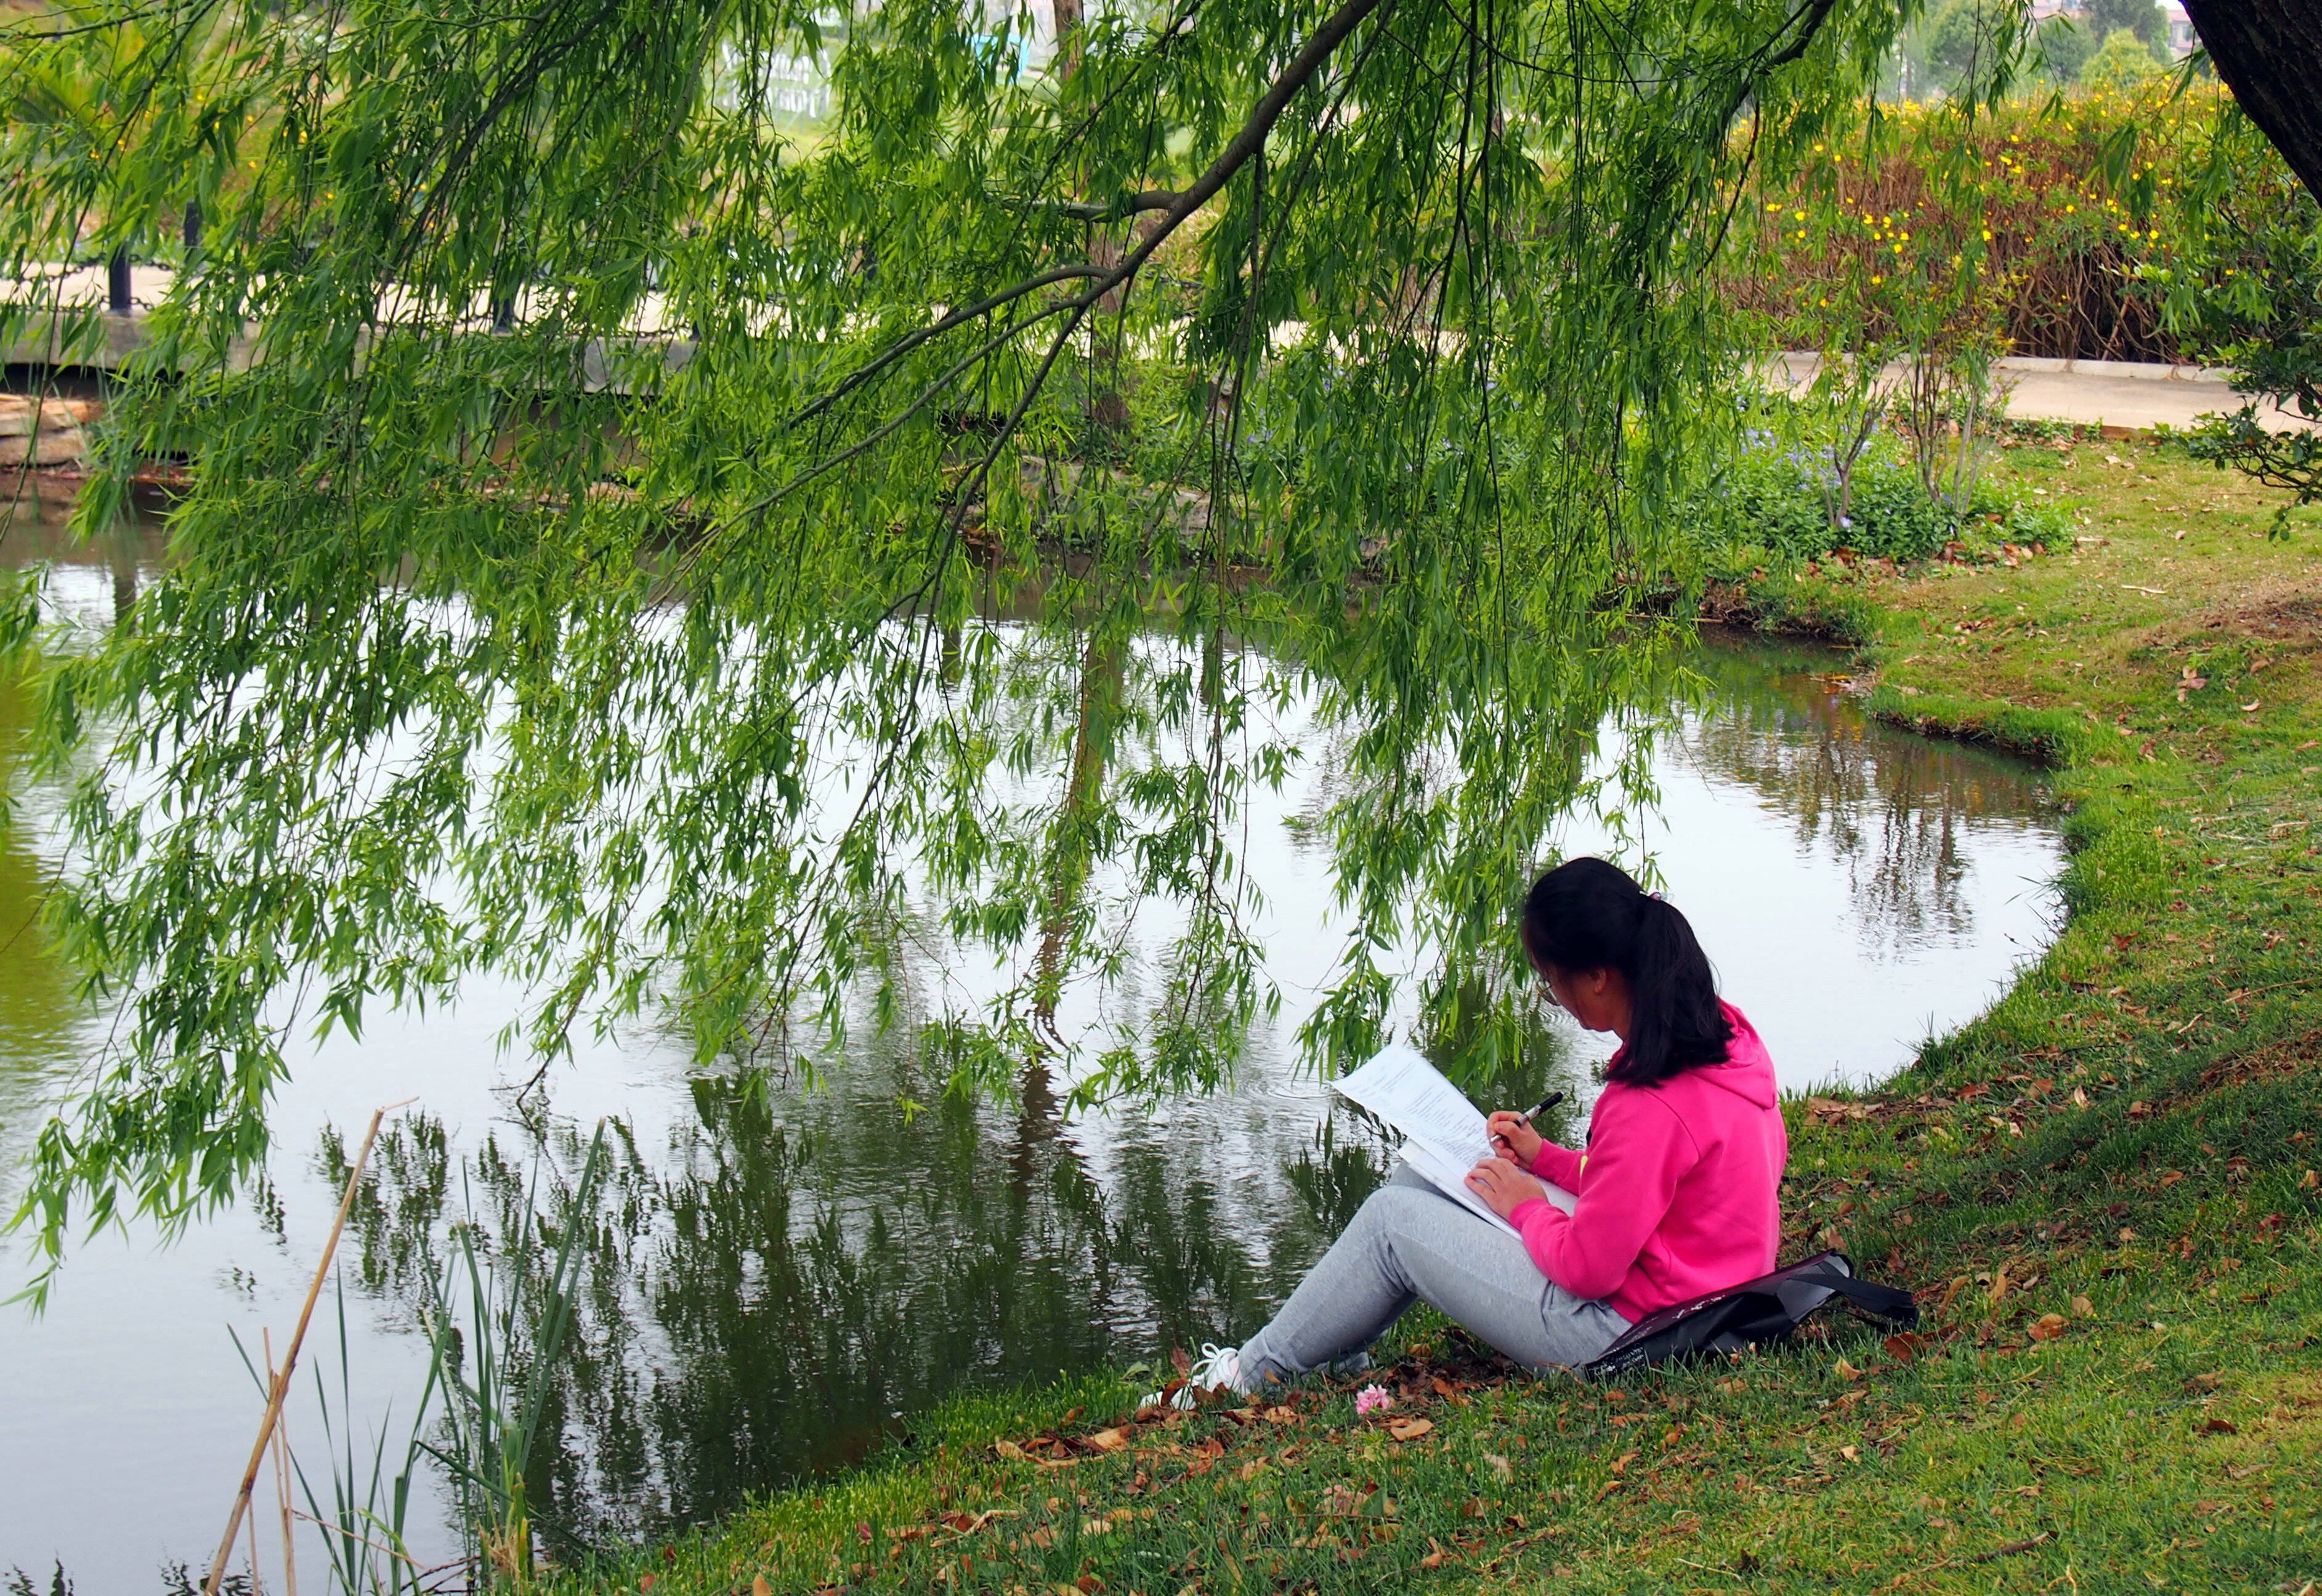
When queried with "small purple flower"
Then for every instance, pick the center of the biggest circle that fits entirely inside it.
(1372, 1398)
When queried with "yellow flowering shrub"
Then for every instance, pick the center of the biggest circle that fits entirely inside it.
(2037, 223)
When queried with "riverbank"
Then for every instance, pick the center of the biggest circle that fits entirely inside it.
(2103, 1188)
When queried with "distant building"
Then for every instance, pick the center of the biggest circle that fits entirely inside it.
(2182, 39)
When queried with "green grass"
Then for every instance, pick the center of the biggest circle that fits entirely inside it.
(2104, 1188)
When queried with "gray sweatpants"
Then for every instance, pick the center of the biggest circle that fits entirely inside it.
(1408, 1243)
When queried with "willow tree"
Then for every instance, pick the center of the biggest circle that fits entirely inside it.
(664, 553)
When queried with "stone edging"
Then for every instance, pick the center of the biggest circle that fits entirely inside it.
(2141, 370)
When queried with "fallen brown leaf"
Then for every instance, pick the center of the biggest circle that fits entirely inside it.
(2048, 1326)
(1409, 1429)
(1904, 1346)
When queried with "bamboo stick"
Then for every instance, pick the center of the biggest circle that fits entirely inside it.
(256, 1589)
(282, 1480)
(278, 1384)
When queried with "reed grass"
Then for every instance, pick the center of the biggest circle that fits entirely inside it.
(497, 1314)
(497, 1321)
(364, 1526)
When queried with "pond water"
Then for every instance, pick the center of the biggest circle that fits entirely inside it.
(779, 1277)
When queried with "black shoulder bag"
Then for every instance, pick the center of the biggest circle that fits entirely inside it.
(1752, 1314)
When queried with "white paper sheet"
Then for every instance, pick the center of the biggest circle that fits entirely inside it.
(1445, 1136)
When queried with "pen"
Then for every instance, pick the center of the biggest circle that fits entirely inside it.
(1542, 1107)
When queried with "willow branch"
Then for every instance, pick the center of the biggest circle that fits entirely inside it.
(1246, 143)
(937, 329)
(1115, 210)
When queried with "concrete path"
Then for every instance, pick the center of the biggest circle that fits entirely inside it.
(2129, 394)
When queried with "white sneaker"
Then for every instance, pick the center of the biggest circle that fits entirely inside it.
(1217, 1365)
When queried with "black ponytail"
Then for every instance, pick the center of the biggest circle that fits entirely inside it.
(1587, 915)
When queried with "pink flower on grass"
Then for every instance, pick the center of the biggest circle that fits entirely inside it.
(1372, 1398)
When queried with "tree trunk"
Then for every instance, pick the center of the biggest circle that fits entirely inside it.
(2270, 54)
(1066, 14)
(1106, 406)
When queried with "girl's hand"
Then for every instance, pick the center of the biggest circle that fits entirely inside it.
(1504, 1186)
(1514, 1138)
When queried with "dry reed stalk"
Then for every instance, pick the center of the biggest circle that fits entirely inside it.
(278, 1385)
(281, 1479)
(256, 1587)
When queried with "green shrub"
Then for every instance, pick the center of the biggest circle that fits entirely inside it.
(1780, 496)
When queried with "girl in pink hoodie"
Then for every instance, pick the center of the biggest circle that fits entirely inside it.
(1676, 1190)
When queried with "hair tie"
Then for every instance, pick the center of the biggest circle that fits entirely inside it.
(1656, 897)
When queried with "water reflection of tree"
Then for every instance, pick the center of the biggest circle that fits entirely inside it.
(42, 1022)
(799, 1270)
(796, 1268)
(1895, 810)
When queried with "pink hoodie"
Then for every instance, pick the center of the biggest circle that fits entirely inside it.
(1679, 1189)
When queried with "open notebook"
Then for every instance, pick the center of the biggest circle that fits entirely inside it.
(1444, 1135)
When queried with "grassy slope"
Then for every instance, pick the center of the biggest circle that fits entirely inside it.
(2103, 1186)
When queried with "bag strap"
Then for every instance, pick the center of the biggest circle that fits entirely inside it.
(1835, 1276)
(1890, 1304)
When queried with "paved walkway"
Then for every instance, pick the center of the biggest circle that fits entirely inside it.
(2097, 393)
